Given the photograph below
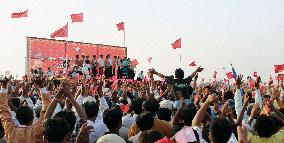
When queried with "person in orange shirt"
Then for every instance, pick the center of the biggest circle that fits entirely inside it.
(152, 106)
(27, 131)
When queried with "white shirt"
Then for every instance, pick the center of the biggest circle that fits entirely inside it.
(99, 130)
(101, 62)
(128, 120)
(140, 75)
(49, 74)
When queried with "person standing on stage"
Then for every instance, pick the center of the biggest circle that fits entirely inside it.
(94, 66)
(101, 65)
(114, 66)
(108, 67)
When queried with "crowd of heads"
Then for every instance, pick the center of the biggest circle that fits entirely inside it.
(89, 107)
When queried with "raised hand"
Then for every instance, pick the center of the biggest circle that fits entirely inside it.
(258, 80)
(199, 69)
(239, 81)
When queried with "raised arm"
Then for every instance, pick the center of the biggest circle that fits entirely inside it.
(81, 113)
(52, 106)
(199, 69)
(258, 98)
(5, 115)
(201, 112)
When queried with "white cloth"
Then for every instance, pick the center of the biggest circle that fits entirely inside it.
(101, 62)
(111, 138)
(49, 74)
(128, 120)
(99, 130)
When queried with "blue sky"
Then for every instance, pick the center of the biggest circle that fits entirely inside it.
(214, 32)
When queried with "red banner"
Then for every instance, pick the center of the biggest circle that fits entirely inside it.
(44, 53)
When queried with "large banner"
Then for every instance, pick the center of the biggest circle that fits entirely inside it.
(44, 53)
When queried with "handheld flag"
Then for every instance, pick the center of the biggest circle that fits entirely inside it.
(192, 64)
(77, 17)
(20, 14)
(120, 26)
(177, 44)
(230, 75)
(278, 68)
(62, 32)
(215, 74)
(254, 74)
(150, 59)
(134, 62)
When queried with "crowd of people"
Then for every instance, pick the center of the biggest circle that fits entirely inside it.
(87, 107)
(99, 66)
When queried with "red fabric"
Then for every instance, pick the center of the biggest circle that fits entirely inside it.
(124, 108)
(150, 59)
(62, 32)
(165, 140)
(279, 68)
(215, 74)
(177, 44)
(39, 48)
(254, 74)
(120, 26)
(279, 77)
(229, 75)
(192, 64)
(20, 14)
(135, 62)
(77, 17)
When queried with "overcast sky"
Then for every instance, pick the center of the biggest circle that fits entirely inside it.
(248, 33)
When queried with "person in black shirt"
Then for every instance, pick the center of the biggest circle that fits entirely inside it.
(181, 85)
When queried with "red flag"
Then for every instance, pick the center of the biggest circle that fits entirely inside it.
(62, 32)
(279, 68)
(192, 64)
(20, 14)
(120, 26)
(215, 74)
(124, 108)
(134, 62)
(77, 17)
(279, 77)
(254, 74)
(150, 59)
(229, 75)
(177, 44)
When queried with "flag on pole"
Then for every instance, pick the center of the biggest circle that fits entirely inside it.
(150, 59)
(134, 62)
(278, 68)
(230, 75)
(120, 26)
(192, 64)
(177, 44)
(20, 14)
(62, 32)
(77, 17)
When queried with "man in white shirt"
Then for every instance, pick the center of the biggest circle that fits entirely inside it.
(49, 73)
(140, 76)
(101, 65)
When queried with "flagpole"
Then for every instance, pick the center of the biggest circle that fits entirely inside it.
(124, 37)
(66, 60)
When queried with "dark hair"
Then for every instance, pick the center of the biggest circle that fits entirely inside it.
(220, 130)
(151, 105)
(179, 73)
(112, 118)
(55, 129)
(228, 95)
(24, 115)
(188, 114)
(16, 102)
(150, 136)
(136, 105)
(164, 114)
(91, 109)
(69, 116)
(264, 126)
(145, 121)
